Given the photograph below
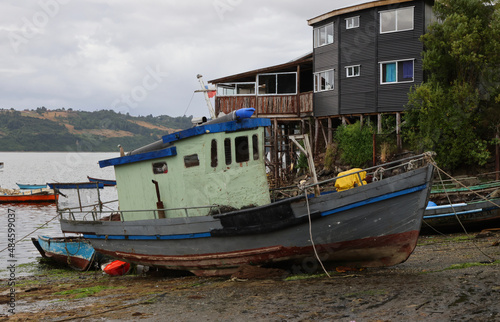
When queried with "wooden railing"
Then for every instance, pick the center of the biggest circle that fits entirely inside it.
(268, 105)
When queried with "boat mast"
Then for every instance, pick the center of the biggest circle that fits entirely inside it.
(205, 91)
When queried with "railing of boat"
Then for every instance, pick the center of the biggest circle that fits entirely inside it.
(99, 215)
(377, 172)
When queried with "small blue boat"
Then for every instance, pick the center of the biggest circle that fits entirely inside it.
(31, 186)
(73, 251)
(104, 181)
(76, 185)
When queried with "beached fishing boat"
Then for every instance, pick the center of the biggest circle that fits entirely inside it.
(474, 215)
(28, 196)
(469, 203)
(75, 252)
(198, 200)
(31, 186)
(105, 182)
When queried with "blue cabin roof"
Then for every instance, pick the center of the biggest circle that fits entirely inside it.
(232, 126)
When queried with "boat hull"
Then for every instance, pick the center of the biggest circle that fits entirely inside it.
(35, 198)
(104, 181)
(75, 252)
(471, 216)
(373, 225)
(31, 186)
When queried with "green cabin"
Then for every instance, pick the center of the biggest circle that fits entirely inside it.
(220, 164)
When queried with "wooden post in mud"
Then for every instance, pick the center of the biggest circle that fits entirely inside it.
(497, 158)
(307, 150)
(398, 131)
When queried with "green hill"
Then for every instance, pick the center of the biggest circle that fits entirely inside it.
(68, 130)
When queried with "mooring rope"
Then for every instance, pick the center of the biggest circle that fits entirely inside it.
(311, 236)
(492, 259)
(31, 232)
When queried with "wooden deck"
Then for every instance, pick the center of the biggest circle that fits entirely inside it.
(295, 105)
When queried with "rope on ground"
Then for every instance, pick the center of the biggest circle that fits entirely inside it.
(31, 232)
(311, 236)
(431, 159)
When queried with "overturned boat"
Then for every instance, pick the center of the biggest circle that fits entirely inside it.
(199, 201)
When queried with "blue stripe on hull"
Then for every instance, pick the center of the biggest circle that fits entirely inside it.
(207, 234)
(374, 200)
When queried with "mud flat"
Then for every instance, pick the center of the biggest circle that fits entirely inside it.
(448, 278)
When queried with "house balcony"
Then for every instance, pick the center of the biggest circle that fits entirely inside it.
(271, 106)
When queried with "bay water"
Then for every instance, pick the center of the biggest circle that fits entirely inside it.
(31, 220)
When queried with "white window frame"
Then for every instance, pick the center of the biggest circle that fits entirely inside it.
(277, 80)
(325, 74)
(354, 22)
(396, 19)
(317, 35)
(397, 62)
(221, 86)
(350, 71)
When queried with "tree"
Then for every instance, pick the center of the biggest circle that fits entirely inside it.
(355, 143)
(452, 111)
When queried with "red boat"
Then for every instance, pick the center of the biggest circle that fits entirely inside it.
(31, 196)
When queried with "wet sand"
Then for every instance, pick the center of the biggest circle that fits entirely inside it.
(447, 278)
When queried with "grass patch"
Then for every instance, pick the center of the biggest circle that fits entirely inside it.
(87, 291)
(306, 276)
(473, 264)
(429, 240)
(27, 267)
(367, 293)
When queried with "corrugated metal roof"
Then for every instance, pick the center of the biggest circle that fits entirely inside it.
(358, 5)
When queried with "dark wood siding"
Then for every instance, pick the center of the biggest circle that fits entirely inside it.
(365, 46)
(325, 58)
(326, 103)
(398, 46)
(358, 47)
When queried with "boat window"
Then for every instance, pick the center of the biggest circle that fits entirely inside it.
(255, 146)
(160, 167)
(213, 153)
(191, 160)
(227, 150)
(242, 149)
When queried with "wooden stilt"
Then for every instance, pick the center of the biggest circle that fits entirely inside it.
(330, 135)
(398, 131)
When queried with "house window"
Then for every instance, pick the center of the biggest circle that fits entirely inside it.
(227, 150)
(213, 154)
(160, 167)
(323, 81)
(400, 71)
(352, 22)
(396, 20)
(352, 71)
(233, 89)
(191, 161)
(255, 147)
(323, 35)
(278, 83)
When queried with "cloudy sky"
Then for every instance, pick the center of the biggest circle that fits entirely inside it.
(142, 57)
